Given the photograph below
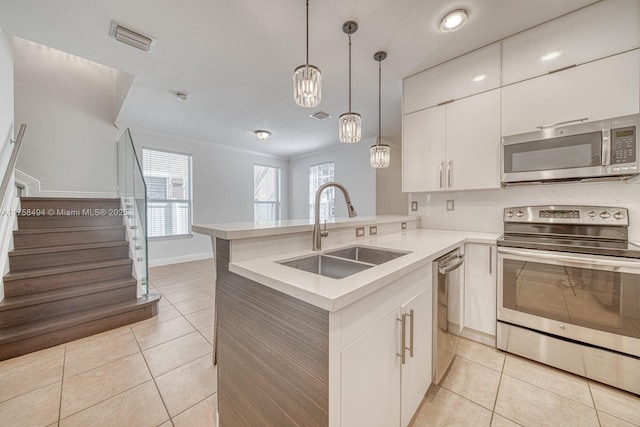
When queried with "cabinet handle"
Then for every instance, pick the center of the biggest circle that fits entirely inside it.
(441, 174)
(411, 333)
(403, 344)
(551, 125)
(449, 167)
(490, 260)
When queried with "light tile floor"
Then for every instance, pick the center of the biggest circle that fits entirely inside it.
(159, 372)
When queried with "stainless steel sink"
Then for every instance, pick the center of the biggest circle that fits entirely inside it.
(367, 254)
(336, 268)
(342, 263)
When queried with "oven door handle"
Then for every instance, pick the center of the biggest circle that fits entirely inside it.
(599, 263)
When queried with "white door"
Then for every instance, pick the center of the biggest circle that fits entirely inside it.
(473, 142)
(598, 90)
(423, 142)
(370, 377)
(480, 288)
(416, 372)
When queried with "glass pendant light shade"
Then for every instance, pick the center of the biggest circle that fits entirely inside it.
(307, 86)
(350, 124)
(350, 128)
(380, 156)
(307, 80)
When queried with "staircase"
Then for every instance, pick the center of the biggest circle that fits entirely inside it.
(70, 275)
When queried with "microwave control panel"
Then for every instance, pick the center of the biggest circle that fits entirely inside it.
(623, 145)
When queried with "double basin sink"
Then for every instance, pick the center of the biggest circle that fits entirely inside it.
(344, 262)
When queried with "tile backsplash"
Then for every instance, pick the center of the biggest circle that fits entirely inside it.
(482, 210)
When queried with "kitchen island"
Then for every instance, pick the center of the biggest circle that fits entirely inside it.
(293, 347)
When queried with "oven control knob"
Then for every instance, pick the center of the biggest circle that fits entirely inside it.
(519, 213)
(618, 215)
(509, 213)
(592, 214)
(604, 214)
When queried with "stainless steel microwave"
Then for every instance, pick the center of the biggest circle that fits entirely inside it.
(604, 149)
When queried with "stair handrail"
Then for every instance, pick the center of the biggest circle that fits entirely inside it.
(12, 161)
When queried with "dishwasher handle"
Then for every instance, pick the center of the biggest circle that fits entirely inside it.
(458, 261)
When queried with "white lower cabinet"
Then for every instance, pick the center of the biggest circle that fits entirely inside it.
(376, 387)
(480, 288)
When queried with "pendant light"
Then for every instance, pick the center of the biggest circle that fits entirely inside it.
(350, 124)
(380, 154)
(307, 80)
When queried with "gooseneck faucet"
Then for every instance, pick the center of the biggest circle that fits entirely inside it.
(317, 234)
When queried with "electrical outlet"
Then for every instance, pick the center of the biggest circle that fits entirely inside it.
(414, 206)
(373, 230)
(403, 225)
(360, 232)
(449, 205)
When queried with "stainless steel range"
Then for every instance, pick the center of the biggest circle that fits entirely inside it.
(569, 291)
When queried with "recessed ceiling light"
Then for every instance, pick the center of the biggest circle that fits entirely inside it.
(453, 20)
(549, 56)
(479, 78)
(262, 134)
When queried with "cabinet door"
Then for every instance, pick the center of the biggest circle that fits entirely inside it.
(475, 72)
(591, 33)
(416, 372)
(480, 288)
(423, 134)
(598, 90)
(370, 376)
(473, 142)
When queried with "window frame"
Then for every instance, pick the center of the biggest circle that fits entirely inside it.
(330, 193)
(189, 200)
(278, 203)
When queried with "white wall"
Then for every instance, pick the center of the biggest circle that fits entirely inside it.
(390, 200)
(482, 210)
(222, 189)
(68, 104)
(352, 170)
(6, 100)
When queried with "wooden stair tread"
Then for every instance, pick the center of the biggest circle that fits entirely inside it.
(11, 303)
(51, 324)
(68, 229)
(67, 268)
(65, 248)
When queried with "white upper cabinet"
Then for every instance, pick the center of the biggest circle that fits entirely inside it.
(598, 90)
(475, 72)
(596, 31)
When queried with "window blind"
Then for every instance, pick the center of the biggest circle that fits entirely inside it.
(169, 205)
(266, 193)
(318, 175)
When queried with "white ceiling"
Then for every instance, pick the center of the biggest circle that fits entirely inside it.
(235, 58)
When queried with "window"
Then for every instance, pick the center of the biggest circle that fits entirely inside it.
(168, 179)
(266, 193)
(318, 175)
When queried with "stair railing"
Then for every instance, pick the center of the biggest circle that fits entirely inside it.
(132, 191)
(8, 173)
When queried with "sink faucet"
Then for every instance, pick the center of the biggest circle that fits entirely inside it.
(317, 234)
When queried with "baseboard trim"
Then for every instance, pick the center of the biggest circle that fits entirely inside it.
(478, 336)
(179, 259)
(33, 188)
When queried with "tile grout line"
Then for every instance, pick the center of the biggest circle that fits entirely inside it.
(595, 408)
(64, 361)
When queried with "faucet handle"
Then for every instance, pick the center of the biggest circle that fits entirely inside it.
(324, 232)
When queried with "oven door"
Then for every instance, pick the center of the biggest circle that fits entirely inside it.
(592, 299)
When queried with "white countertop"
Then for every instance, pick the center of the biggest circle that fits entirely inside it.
(334, 294)
(242, 230)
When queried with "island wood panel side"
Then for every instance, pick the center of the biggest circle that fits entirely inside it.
(272, 352)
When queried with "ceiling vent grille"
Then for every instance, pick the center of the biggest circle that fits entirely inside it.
(132, 38)
(320, 115)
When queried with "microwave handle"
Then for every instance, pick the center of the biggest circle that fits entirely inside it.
(606, 147)
(552, 125)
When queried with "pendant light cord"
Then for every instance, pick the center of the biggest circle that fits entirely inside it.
(307, 33)
(349, 73)
(379, 101)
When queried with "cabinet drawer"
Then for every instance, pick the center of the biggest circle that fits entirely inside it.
(598, 90)
(475, 72)
(594, 32)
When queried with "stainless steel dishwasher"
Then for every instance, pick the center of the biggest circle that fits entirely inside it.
(447, 310)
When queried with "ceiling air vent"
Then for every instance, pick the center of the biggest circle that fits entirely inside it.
(132, 38)
(320, 115)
